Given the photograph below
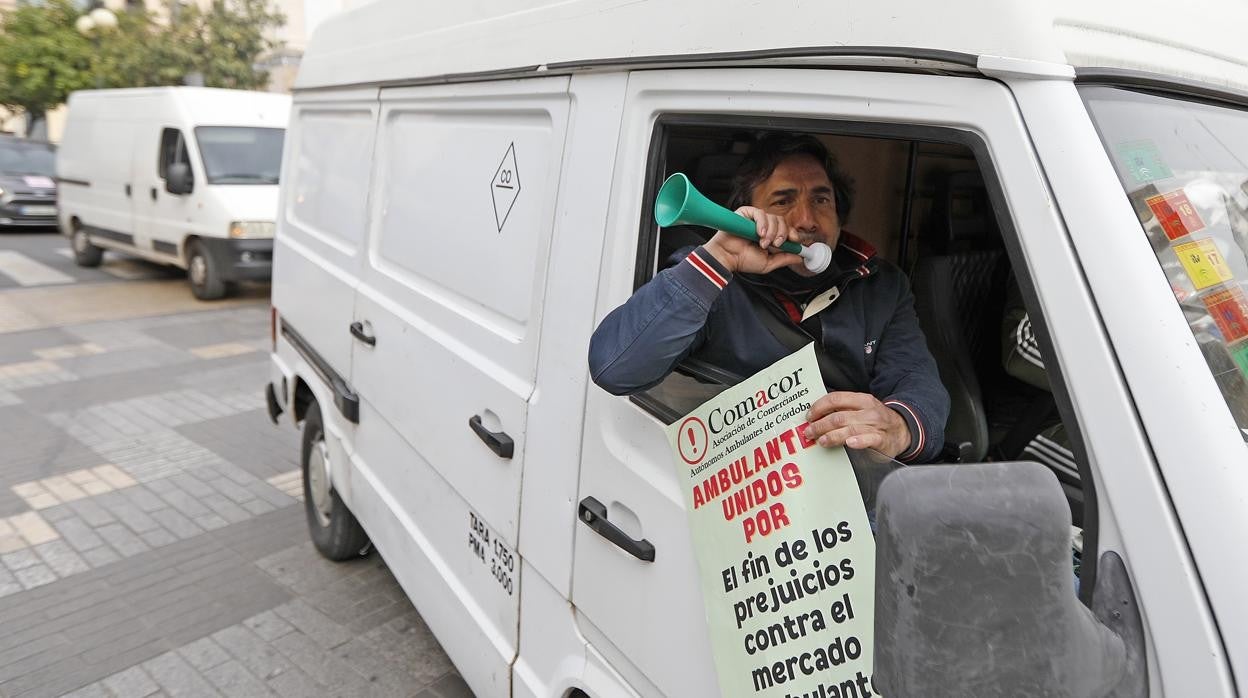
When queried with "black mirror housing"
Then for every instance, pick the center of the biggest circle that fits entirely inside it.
(975, 588)
(178, 179)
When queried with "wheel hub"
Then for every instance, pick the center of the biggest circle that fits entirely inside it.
(80, 241)
(318, 481)
(199, 270)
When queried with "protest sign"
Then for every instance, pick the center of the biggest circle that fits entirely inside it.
(785, 552)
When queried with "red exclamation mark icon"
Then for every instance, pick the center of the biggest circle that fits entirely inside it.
(693, 441)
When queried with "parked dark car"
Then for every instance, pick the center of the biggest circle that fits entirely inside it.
(27, 183)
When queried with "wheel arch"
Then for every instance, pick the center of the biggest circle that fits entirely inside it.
(184, 253)
(301, 399)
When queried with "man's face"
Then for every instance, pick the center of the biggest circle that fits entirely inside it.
(800, 191)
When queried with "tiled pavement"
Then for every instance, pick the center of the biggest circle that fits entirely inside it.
(151, 537)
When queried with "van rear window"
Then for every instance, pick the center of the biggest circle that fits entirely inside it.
(1184, 166)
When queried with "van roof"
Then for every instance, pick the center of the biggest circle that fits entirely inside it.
(398, 41)
(198, 105)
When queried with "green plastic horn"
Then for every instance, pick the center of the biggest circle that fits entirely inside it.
(680, 203)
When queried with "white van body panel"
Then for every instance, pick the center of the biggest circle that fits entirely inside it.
(111, 148)
(323, 220)
(557, 410)
(450, 349)
(398, 41)
(645, 613)
(556, 657)
(420, 524)
(407, 119)
(1193, 438)
(93, 164)
(444, 340)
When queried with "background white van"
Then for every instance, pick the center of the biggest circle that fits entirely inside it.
(179, 175)
(468, 190)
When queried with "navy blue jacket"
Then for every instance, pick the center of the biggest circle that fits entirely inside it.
(694, 308)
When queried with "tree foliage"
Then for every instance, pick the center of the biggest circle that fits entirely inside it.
(43, 57)
(225, 40)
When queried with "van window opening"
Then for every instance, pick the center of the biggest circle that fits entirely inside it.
(172, 151)
(240, 154)
(917, 201)
(1183, 165)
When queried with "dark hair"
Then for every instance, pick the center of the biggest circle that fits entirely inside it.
(770, 150)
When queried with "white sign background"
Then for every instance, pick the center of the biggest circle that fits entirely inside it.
(786, 555)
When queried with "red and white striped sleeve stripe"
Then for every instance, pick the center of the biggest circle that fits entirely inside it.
(707, 270)
(921, 439)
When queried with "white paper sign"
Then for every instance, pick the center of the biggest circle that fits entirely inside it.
(786, 555)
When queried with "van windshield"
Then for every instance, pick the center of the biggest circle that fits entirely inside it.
(1184, 165)
(18, 158)
(240, 154)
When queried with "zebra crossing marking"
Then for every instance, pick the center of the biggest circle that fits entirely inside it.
(28, 272)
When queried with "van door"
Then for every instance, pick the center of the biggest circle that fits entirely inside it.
(101, 180)
(162, 219)
(447, 325)
(646, 617)
(319, 248)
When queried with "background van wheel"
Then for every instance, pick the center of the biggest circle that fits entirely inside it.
(85, 254)
(203, 274)
(335, 532)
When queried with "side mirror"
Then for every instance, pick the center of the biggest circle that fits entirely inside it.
(975, 591)
(178, 179)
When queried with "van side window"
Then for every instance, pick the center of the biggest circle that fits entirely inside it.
(172, 150)
(925, 207)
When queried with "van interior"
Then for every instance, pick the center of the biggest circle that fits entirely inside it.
(927, 207)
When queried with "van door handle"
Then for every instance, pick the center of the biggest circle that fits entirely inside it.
(127, 190)
(594, 514)
(498, 441)
(357, 331)
(153, 193)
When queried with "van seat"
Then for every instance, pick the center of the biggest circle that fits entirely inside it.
(959, 285)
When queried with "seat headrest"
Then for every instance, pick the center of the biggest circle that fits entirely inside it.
(961, 218)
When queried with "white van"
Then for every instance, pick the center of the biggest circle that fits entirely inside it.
(468, 191)
(185, 176)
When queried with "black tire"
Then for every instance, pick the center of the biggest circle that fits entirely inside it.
(334, 529)
(85, 253)
(203, 274)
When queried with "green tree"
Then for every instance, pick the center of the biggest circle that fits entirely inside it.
(141, 52)
(225, 41)
(42, 57)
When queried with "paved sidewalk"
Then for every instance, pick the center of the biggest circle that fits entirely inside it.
(152, 541)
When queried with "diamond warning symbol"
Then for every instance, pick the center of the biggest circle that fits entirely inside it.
(505, 187)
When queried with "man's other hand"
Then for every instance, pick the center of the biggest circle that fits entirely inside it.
(741, 255)
(857, 420)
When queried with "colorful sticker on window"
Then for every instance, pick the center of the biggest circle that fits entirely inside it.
(1240, 354)
(1204, 264)
(1175, 213)
(1143, 161)
(1229, 309)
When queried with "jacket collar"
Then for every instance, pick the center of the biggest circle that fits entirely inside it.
(855, 255)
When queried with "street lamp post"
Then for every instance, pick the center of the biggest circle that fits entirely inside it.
(92, 25)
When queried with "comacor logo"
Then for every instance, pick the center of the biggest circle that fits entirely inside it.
(692, 440)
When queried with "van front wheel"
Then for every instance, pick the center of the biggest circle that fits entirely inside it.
(335, 531)
(202, 272)
(85, 254)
